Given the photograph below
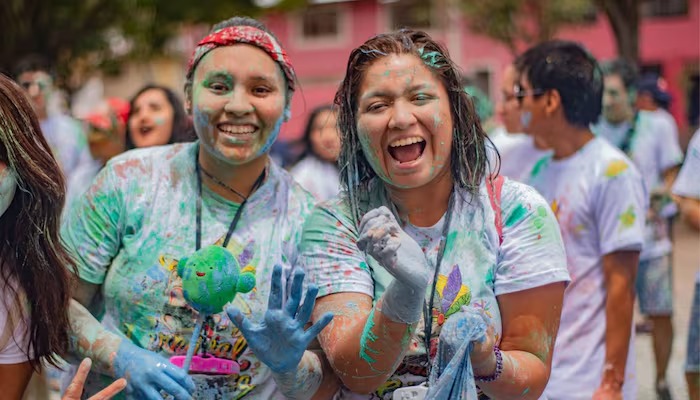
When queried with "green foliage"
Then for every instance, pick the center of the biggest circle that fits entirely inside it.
(518, 23)
(79, 35)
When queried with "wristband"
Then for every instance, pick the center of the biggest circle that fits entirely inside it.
(497, 372)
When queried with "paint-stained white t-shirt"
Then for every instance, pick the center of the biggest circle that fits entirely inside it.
(320, 178)
(68, 144)
(599, 200)
(138, 219)
(687, 182)
(654, 148)
(518, 155)
(475, 269)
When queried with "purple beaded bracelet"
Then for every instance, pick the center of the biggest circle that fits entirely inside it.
(497, 372)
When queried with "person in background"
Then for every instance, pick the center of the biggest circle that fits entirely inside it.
(686, 191)
(317, 171)
(599, 200)
(106, 136)
(653, 97)
(655, 151)
(63, 133)
(157, 117)
(34, 266)
(518, 151)
(482, 105)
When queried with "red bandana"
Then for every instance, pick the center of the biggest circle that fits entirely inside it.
(245, 34)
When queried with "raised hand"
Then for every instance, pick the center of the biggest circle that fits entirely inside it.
(279, 341)
(383, 239)
(148, 374)
(74, 391)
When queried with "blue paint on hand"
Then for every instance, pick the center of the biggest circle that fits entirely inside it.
(147, 374)
(279, 341)
(452, 376)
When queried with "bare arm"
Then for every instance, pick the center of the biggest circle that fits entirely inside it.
(620, 270)
(362, 344)
(690, 210)
(14, 378)
(530, 323)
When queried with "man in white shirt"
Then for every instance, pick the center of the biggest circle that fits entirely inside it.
(598, 197)
(654, 149)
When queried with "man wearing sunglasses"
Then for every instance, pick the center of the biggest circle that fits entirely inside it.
(599, 200)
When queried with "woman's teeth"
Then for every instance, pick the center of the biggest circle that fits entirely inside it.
(406, 141)
(237, 129)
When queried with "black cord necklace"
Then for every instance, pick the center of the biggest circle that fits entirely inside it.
(239, 212)
(428, 306)
(626, 145)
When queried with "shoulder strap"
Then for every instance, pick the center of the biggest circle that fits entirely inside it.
(494, 186)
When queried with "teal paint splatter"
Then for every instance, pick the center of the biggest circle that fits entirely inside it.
(367, 334)
(539, 166)
(516, 216)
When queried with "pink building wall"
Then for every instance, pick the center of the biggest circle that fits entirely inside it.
(671, 42)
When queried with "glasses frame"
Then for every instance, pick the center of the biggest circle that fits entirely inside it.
(520, 94)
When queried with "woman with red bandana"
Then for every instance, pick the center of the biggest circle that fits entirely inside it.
(150, 208)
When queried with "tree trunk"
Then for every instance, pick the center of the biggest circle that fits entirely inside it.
(624, 20)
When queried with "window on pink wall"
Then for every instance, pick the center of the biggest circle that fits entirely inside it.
(321, 21)
(416, 14)
(664, 8)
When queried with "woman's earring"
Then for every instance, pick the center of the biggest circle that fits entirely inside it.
(287, 114)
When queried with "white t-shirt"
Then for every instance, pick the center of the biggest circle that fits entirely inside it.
(687, 182)
(599, 200)
(68, 144)
(138, 219)
(667, 120)
(320, 178)
(475, 269)
(518, 155)
(654, 149)
(14, 335)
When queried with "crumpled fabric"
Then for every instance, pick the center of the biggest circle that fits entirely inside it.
(452, 376)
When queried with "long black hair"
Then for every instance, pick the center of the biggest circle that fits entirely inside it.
(34, 265)
(182, 128)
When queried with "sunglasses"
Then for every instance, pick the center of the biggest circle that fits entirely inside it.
(520, 93)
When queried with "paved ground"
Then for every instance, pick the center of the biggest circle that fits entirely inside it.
(686, 261)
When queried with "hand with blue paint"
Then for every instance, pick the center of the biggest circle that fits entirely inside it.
(147, 374)
(469, 327)
(279, 340)
(382, 238)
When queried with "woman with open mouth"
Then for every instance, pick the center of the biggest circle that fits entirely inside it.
(423, 235)
(157, 117)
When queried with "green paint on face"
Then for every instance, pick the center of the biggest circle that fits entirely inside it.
(516, 216)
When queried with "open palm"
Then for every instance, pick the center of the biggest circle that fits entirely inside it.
(280, 339)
